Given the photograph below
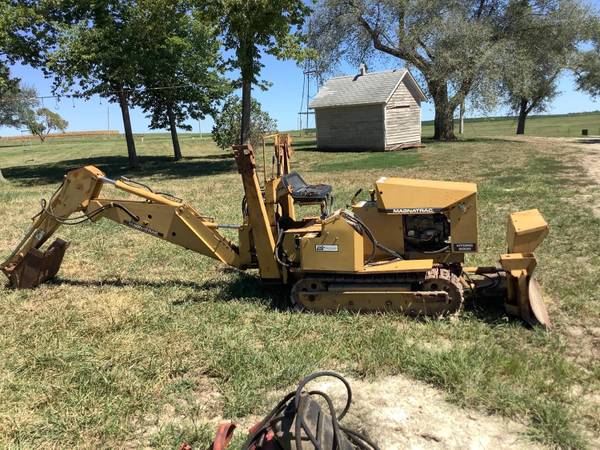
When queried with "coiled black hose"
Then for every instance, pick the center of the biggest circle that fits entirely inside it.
(359, 441)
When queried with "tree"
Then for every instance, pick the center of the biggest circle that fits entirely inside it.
(451, 44)
(181, 50)
(16, 102)
(587, 71)
(43, 121)
(455, 46)
(14, 44)
(251, 27)
(587, 64)
(97, 51)
(532, 65)
(226, 130)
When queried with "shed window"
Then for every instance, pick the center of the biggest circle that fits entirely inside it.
(399, 107)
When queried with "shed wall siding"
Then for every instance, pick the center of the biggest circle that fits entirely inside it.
(403, 117)
(351, 128)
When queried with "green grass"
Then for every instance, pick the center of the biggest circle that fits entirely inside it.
(542, 125)
(369, 161)
(138, 343)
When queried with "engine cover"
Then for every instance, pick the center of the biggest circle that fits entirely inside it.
(416, 217)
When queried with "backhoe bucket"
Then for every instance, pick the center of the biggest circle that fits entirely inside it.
(526, 230)
(36, 266)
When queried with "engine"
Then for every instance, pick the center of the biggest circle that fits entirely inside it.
(426, 233)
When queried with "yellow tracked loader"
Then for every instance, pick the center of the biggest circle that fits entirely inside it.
(402, 249)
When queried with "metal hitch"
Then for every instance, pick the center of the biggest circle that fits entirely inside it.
(36, 266)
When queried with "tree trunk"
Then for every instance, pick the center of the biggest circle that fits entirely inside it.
(246, 109)
(443, 122)
(131, 153)
(523, 111)
(174, 137)
(461, 125)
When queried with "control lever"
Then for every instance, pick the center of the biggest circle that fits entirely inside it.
(354, 197)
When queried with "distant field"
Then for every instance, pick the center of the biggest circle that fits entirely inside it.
(566, 125)
(548, 125)
(66, 134)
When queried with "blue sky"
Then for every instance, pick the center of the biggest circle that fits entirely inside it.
(281, 101)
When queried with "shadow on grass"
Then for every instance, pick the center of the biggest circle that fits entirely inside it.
(244, 287)
(487, 308)
(310, 145)
(588, 141)
(472, 140)
(115, 166)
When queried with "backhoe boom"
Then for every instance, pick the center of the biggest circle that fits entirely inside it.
(158, 215)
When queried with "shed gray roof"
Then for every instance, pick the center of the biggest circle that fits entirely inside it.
(370, 88)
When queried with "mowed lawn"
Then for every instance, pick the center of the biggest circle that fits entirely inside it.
(138, 343)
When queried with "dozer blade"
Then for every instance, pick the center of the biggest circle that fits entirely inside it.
(524, 295)
(537, 305)
(36, 266)
(525, 231)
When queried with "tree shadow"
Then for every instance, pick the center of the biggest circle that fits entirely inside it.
(588, 141)
(116, 166)
(472, 140)
(489, 308)
(485, 307)
(245, 287)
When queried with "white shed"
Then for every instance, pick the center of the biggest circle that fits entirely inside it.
(369, 111)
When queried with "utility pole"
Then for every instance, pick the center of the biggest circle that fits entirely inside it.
(461, 125)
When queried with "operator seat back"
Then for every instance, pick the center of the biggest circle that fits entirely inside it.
(303, 192)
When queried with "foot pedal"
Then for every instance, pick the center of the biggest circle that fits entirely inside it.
(37, 266)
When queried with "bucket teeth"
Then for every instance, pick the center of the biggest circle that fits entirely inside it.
(36, 266)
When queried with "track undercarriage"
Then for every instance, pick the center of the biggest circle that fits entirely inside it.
(435, 292)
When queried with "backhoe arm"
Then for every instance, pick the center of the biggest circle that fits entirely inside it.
(28, 266)
(159, 215)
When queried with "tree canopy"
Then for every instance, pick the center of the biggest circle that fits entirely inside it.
(587, 64)
(530, 65)
(459, 48)
(16, 102)
(253, 27)
(226, 130)
(181, 72)
(43, 121)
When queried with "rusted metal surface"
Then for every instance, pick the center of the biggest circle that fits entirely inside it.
(37, 266)
(222, 439)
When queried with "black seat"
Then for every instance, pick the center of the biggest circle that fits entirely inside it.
(303, 192)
